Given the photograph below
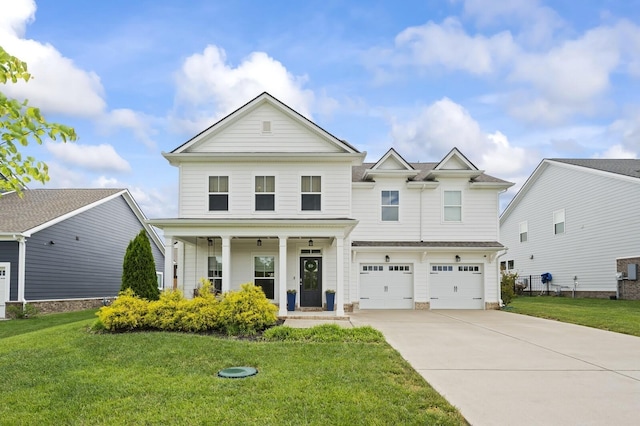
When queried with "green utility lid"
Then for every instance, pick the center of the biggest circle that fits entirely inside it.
(237, 372)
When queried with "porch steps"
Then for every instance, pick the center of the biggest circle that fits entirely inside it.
(310, 316)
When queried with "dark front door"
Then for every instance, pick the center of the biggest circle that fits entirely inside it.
(310, 281)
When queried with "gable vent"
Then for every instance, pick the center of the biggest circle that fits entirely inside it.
(266, 127)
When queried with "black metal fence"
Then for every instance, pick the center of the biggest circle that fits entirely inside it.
(532, 285)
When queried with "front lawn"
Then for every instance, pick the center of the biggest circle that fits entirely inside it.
(62, 374)
(622, 316)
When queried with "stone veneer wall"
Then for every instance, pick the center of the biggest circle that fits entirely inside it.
(492, 305)
(422, 306)
(52, 306)
(629, 290)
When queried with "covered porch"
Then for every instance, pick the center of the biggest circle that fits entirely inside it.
(305, 255)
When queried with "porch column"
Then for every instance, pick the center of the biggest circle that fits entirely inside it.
(226, 264)
(340, 276)
(282, 277)
(22, 259)
(168, 264)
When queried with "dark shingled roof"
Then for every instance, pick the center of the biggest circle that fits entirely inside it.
(418, 244)
(38, 206)
(357, 173)
(625, 167)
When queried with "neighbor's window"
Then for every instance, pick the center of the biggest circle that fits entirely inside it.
(265, 193)
(524, 228)
(215, 272)
(452, 206)
(160, 280)
(311, 187)
(264, 274)
(510, 265)
(503, 265)
(558, 222)
(390, 205)
(218, 193)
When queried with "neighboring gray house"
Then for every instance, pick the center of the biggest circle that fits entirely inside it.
(574, 218)
(66, 246)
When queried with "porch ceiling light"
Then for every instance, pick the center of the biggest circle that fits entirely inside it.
(457, 258)
(310, 242)
(259, 242)
(387, 258)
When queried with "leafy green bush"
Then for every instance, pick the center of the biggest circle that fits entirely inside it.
(246, 312)
(172, 312)
(128, 312)
(507, 286)
(22, 312)
(324, 333)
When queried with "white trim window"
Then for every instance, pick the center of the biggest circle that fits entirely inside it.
(311, 189)
(160, 280)
(390, 209)
(558, 222)
(264, 274)
(218, 193)
(214, 272)
(524, 232)
(452, 206)
(265, 189)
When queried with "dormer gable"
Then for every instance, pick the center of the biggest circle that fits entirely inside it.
(454, 164)
(265, 127)
(391, 164)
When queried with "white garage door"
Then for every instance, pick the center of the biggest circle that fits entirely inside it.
(456, 286)
(384, 286)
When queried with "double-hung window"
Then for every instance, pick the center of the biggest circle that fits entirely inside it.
(524, 231)
(452, 202)
(265, 193)
(218, 193)
(264, 274)
(558, 222)
(390, 206)
(215, 271)
(311, 188)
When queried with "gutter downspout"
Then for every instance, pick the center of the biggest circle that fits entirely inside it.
(499, 281)
(22, 257)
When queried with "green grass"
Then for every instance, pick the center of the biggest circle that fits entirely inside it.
(622, 316)
(62, 374)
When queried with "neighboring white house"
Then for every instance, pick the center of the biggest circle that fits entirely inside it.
(573, 218)
(269, 197)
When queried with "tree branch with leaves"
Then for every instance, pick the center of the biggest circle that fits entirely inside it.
(21, 124)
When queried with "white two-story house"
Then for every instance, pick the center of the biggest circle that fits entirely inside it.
(269, 197)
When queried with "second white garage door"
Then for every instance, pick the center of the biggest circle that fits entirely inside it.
(456, 286)
(384, 286)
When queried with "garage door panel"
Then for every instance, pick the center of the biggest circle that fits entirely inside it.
(456, 286)
(384, 286)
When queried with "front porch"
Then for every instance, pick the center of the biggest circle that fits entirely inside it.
(307, 256)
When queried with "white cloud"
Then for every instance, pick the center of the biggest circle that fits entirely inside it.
(92, 157)
(208, 87)
(445, 124)
(14, 19)
(450, 46)
(616, 151)
(137, 122)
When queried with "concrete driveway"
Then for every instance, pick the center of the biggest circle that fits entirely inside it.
(501, 368)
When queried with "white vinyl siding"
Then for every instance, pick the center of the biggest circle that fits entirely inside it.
(524, 232)
(390, 209)
(452, 206)
(248, 135)
(558, 222)
(600, 227)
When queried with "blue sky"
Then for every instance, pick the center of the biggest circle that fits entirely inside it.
(508, 83)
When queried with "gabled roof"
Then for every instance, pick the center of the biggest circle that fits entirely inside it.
(38, 209)
(265, 97)
(391, 164)
(424, 172)
(627, 169)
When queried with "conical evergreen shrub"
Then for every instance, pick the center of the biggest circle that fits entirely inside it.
(139, 269)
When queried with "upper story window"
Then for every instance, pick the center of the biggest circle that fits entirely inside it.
(452, 201)
(558, 222)
(390, 206)
(265, 193)
(218, 193)
(524, 231)
(311, 192)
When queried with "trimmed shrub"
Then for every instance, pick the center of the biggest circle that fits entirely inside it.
(128, 312)
(507, 286)
(22, 312)
(139, 269)
(246, 312)
(324, 333)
